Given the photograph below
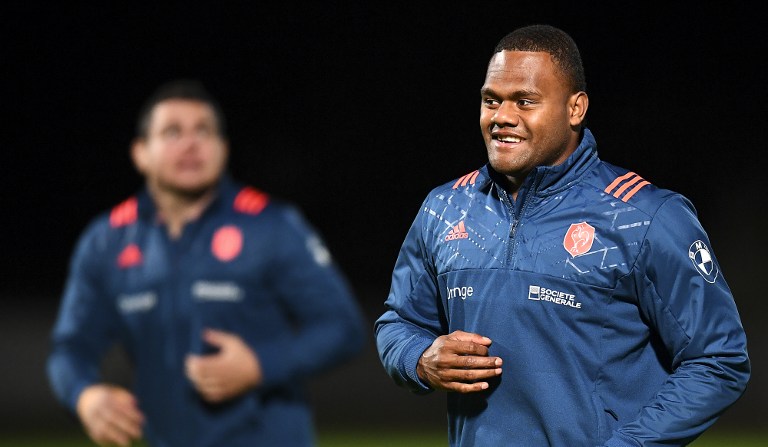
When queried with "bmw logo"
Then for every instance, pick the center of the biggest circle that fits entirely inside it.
(701, 257)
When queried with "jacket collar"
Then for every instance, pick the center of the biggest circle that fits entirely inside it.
(546, 180)
(226, 189)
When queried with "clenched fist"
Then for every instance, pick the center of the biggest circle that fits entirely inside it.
(231, 371)
(458, 362)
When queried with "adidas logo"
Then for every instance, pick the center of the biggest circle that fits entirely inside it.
(457, 232)
(130, 257)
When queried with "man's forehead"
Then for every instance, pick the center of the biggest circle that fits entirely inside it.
(182, 103)
(522, 68)
(504, 61)
(182, 108)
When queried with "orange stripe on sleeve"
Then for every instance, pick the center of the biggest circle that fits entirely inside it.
(618, 180)
(626, 185)
(634, 190)
(467, 178)
(250, 201)
(458, 182)
(124, 213)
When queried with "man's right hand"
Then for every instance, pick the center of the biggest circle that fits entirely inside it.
(458, 362)
(110, 415)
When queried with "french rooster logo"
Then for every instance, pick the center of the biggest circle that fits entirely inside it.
(578, 239)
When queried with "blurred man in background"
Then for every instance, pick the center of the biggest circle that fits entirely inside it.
(224, 298)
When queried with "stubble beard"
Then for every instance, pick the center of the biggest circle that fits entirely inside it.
(185, 194)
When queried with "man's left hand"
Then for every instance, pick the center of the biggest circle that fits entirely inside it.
(233, 370)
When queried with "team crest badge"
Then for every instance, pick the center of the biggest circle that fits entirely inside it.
(701, 257)
(227, 243)
(578, 239)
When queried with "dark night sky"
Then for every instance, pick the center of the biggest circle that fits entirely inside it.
(355, 110)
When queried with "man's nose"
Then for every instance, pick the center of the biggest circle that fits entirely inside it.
(191, 138)
(506, 115)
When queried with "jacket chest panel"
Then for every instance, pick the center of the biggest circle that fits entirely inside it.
(575, 236)
(190, 280)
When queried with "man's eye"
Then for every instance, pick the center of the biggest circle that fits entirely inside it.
(490, 102)
(524, 102)
(204, 132)
(170, 133)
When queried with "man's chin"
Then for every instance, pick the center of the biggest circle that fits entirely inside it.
(189, 192)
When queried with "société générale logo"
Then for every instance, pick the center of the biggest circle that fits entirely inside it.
(538, 293)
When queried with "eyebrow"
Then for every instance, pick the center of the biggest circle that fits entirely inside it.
(488, 91)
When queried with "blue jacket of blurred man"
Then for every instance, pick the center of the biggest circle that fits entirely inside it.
(225, 299)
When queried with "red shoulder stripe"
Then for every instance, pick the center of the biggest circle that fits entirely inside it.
(626, 185)
(250, 201)
(634, 190)
(466, 179)
(124, 213)
(618, 180)
(629, 179)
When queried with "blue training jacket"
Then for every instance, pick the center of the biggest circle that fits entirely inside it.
(601, 294)
(249, 265)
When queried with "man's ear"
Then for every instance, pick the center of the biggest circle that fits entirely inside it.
(139, 155)
(225, 148)
(578, 105)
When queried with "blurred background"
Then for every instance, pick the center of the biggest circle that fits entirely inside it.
(354, 111)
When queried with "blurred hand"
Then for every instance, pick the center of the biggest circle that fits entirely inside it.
(458, 362)
(110, 415)
(233, 370)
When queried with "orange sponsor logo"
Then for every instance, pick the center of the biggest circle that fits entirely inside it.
(227, 243)
(578, 239)
(457, 232)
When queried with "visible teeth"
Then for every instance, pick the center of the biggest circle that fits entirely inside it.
(508, 139)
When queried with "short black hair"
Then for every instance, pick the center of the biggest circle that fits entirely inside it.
(189, 89)
(551, 40)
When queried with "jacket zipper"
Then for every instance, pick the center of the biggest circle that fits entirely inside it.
(507, 201)
(516, 218)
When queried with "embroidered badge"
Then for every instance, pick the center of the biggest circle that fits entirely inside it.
(701, 258)
(227, 243)
(578, 239)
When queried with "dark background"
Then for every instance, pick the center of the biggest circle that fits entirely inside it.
(354, 111)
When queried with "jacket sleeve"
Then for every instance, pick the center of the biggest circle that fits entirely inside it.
(86, 325)
(685, 298)
(413, 318)
(329, 324)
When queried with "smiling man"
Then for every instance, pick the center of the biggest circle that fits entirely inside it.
(598, 314)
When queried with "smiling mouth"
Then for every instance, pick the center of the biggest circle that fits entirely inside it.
(507, 139)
